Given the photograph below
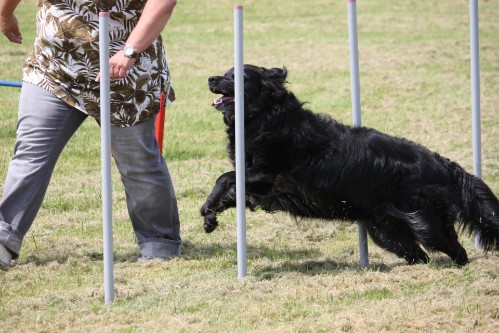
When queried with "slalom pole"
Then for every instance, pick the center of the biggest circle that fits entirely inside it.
(475, 98)
(105, 125)
(240, 160)
(356, 111)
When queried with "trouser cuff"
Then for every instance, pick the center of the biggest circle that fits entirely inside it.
(10, 240)
(159, 248)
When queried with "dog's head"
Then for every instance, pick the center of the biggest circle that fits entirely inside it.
(262, 87)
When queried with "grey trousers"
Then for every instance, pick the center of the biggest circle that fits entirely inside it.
(45, 125)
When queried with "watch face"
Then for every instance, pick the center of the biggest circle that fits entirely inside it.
(128, 51)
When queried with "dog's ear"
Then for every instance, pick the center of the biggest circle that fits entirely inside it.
(279, 74)
(274, 84)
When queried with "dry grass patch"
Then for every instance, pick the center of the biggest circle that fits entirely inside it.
(303, 276)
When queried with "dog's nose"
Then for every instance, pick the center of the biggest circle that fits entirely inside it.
(212, 79)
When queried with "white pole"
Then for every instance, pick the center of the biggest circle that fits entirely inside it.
(475, 97)
(105, 124)
(240, 162)
(356, 112)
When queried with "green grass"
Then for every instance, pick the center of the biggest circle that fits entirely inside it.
(302, 276)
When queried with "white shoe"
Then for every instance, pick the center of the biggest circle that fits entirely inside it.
(5, 257)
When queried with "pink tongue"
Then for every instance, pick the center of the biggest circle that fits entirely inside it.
(224, 99)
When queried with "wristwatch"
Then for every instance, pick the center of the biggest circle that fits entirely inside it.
(129, 52)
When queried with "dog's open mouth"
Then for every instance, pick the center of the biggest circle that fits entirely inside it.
(223, 102)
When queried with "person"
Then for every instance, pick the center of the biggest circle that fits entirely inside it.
(61, 89)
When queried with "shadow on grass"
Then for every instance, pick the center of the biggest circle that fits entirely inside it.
(316, 267)
(305, 261)
(283, 259)
(191, 251)
(62, 258)
(129, 256)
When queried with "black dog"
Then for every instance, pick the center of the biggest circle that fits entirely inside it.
(309, 165)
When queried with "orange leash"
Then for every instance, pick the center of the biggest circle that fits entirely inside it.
(160, 122)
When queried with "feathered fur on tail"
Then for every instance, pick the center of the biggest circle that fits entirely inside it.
(479, 210)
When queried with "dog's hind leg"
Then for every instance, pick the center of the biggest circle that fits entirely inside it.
(440, 235)
(397, 237)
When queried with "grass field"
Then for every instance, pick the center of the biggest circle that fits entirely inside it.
(302, 276)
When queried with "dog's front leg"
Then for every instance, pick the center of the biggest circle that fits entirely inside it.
(222, 196)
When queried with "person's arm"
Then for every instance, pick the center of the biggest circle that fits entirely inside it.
(8, 22)
(153, 20)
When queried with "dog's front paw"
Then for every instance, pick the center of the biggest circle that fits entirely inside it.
(210, 223)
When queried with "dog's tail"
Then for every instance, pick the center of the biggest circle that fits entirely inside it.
(479, 208)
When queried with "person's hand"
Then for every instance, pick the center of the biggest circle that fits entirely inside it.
(119, 65)
(10, 28)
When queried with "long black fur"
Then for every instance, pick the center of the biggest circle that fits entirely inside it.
(309, 165)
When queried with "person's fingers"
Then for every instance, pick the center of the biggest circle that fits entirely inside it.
(114, 74)
(118, 72)
(118, 67)
(10, 28)
(122, 72)
(15, 37)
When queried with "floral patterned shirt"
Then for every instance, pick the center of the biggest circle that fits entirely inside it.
(65, 59)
